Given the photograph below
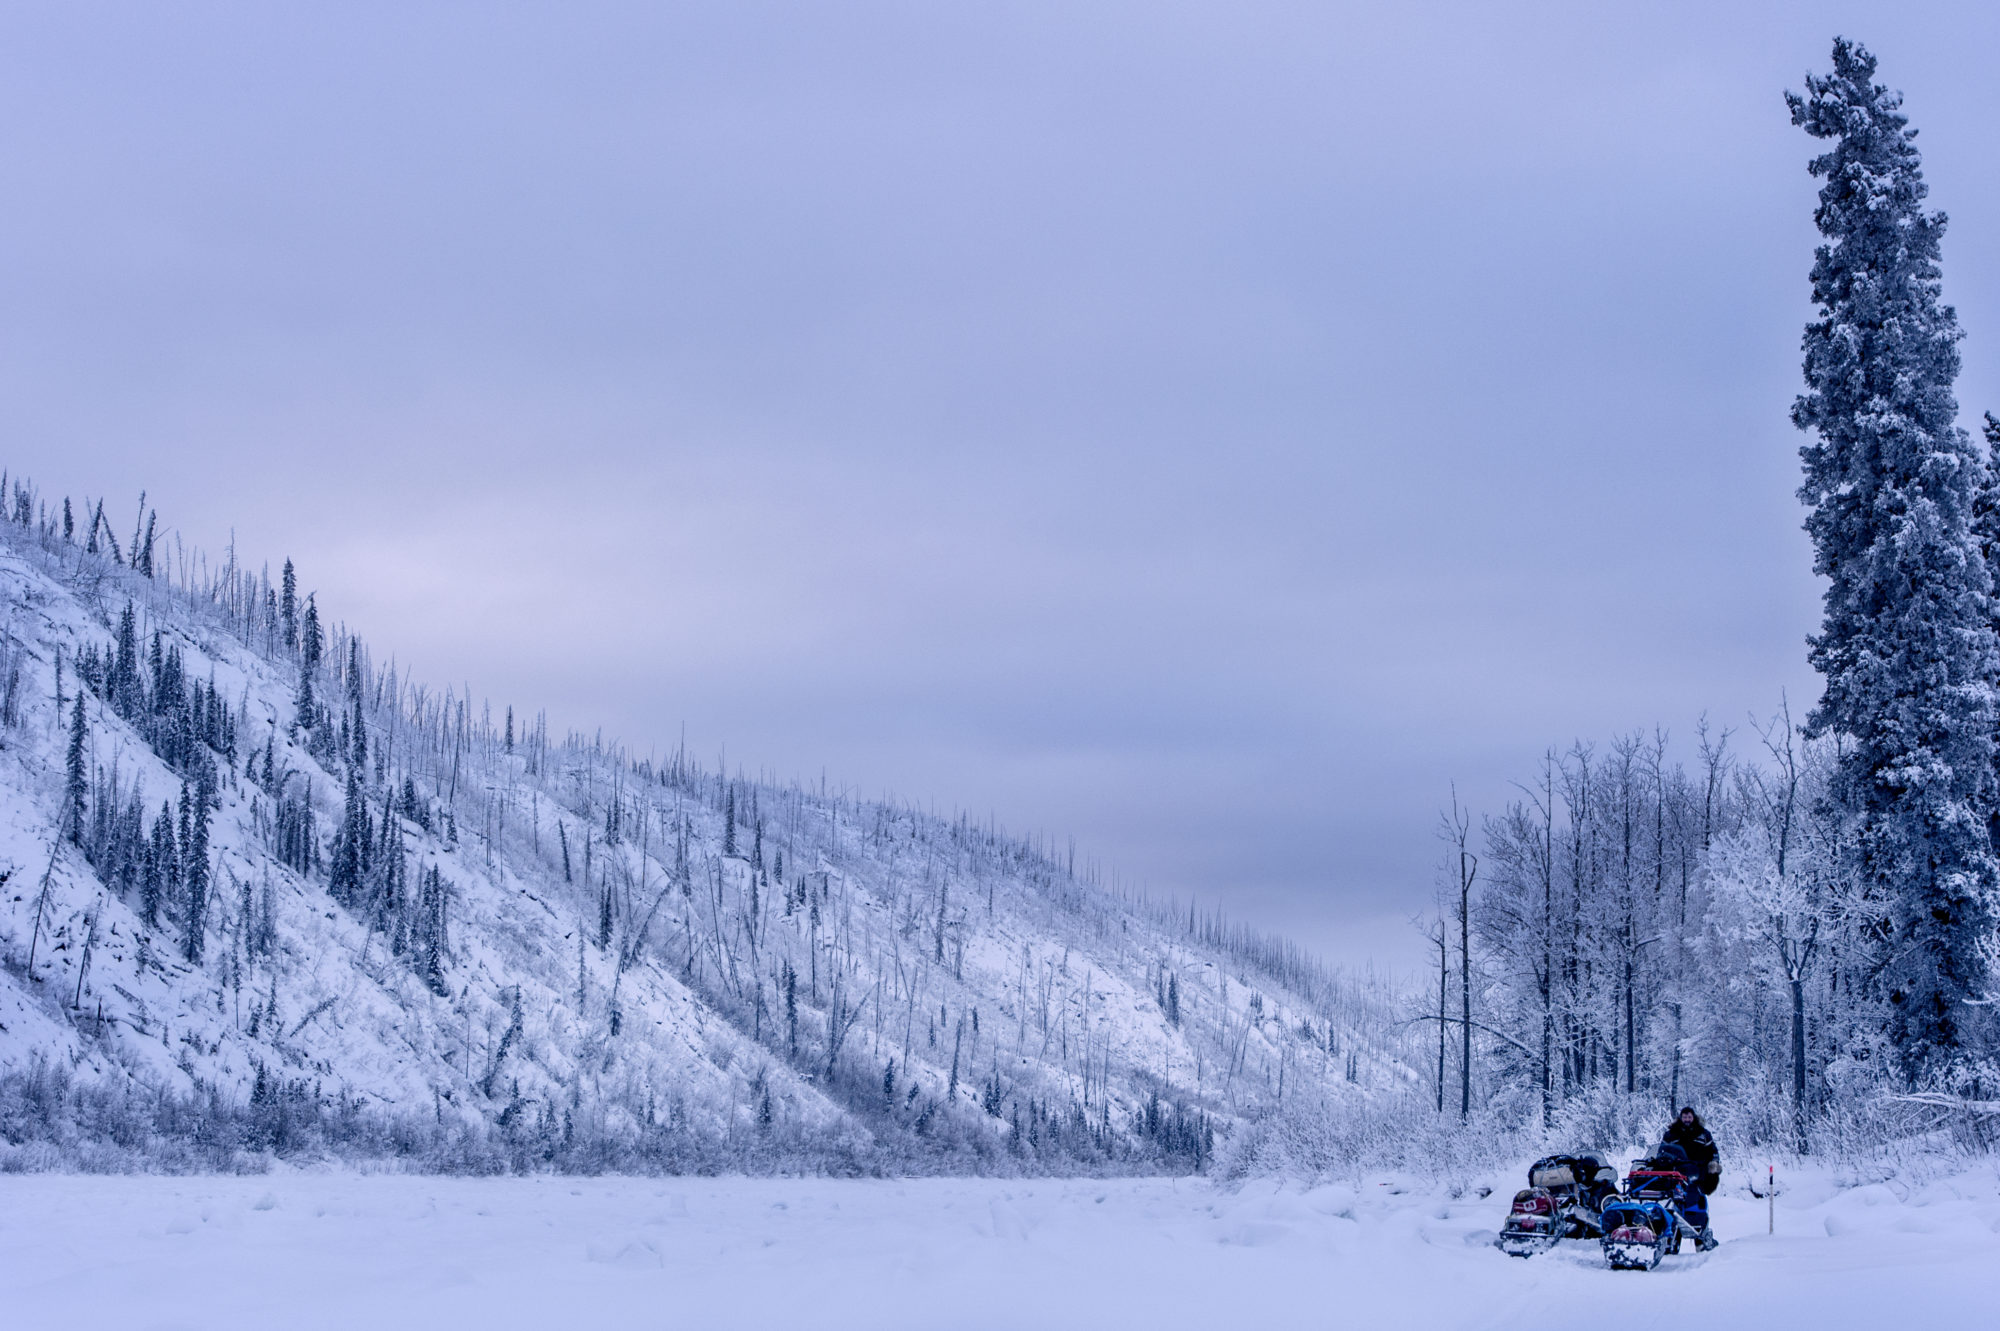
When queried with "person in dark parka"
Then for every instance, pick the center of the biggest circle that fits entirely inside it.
(1688, 1132)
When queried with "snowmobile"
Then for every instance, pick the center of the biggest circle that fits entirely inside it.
(1562, 1201)
(1659, 1209)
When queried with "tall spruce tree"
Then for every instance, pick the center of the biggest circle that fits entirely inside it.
(124, 690)
(162, 881)
(76, 782)
(288, 605)
(350, 848)
(1907, 645)
(359, 757)
(310, 646)
(195, 854)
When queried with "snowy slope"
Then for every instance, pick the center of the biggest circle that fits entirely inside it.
(634, 961)
(328, 1005)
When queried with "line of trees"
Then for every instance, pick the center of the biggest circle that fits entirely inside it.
(1677, 933)
(1816, 921)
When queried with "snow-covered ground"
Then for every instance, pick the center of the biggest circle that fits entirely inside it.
(342, 1250)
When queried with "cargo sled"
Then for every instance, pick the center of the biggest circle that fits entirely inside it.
(1562, 1201)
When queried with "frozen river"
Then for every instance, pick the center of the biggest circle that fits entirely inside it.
(367, 1253)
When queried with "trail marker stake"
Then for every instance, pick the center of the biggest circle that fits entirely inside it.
(1770, 1196)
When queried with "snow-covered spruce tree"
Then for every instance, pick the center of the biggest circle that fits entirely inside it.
(310, 646)
(161, 882)
(1907, 645)
(196, 873)
(76, 786)
(288, 607)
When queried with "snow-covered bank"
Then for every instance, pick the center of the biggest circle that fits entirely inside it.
(342, 1250)
(391, 923)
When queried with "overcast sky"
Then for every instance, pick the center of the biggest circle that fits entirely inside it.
(1206, 430)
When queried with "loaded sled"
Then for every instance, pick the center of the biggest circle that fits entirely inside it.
(1659, 1209)
(1563, 1199)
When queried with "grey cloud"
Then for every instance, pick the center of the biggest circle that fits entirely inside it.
(1210, 431)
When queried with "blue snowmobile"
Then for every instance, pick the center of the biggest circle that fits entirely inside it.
(1659, 1209)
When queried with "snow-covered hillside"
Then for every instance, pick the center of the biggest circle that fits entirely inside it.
(402, 924)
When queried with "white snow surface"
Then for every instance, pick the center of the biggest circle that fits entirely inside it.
(385, 1251)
